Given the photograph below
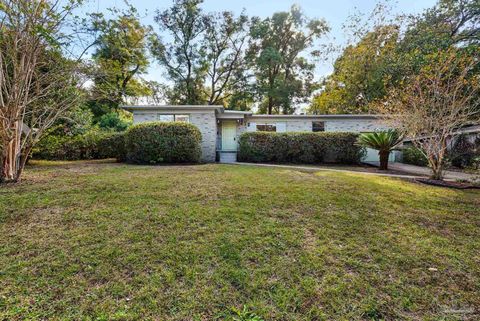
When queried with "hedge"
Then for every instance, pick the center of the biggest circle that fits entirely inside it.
(162, 142)
(308, 148)
(94, 144)
(414, 156)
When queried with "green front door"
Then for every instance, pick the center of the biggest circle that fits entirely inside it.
(229, 135)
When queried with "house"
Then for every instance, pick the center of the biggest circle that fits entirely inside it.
(221, 128)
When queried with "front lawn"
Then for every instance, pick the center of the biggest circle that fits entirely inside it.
(105, 241)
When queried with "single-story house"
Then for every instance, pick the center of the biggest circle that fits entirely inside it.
(221, 128)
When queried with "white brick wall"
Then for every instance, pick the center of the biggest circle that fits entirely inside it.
(299, 126)
(354, 125)
(207, 124)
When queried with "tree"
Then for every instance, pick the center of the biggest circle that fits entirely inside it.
(277, 53)
(205, 60)
(361, 74)
(432, 105)
(224, 40)
(120, 57)
(183, 58)
(384, 142)
(383, 57)
(37, 83)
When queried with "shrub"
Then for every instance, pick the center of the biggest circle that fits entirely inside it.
(160, 142)
(94, 144)
(414, 156)
(113, 121)
(464, 152)
(306, 148)
(112, 146)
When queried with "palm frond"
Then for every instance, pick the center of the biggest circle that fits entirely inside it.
(384, 140)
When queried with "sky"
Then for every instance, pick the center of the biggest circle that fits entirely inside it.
(335, 13)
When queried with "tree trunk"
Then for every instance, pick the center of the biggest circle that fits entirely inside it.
(22, 163)
(384, 159)
(270, 105)
(437, 169)
(11, 157)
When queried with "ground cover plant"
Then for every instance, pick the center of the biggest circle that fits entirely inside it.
(111, 241)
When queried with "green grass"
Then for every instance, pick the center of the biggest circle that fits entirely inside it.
(104, 241)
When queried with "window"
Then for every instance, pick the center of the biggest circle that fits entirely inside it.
(266, 128)
(318, 126)
(170, 118)
(182, 118)
(165, 118)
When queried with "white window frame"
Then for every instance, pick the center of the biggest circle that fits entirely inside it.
(168, 118)
(267, 124)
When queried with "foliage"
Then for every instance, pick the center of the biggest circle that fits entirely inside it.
(414, 156)
(464, 151)
(284, 76)
(205, 58)
(162, 142)
(94, 144)
(113, 121)
(308, 148)
(384, 142)
(120, 57)
(361, 74)
(391, 51)
(434, 104)
(183, 58)
(224, 41)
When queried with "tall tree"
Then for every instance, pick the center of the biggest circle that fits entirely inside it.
(383, 58)
(183, 57)
(361, 74)
(224, 40)
(120, 58)
(37, 83)
(284, 74)
(205, 56)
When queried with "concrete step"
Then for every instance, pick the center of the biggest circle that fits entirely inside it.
(228, 157)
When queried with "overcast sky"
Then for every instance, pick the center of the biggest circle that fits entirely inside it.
(335, 12)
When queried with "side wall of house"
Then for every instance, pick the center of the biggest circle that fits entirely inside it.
(331, 125)
(354, 125)
(205, 121)
(207, 124)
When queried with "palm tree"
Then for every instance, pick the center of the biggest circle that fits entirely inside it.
(384, 142)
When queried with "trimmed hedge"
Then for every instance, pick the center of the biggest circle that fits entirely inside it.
(161, 142)
(308, 148)
(94, 144)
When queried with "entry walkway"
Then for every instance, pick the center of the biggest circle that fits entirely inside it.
(425, 171)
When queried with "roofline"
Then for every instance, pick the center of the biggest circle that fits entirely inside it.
(330, 116)
(172, 107)
(229, 111)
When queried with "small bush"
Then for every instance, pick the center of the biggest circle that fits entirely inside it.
(464, 152)
(308, 148)
(113, 121)
(414, 156)
(93, 144)
(160, 142)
